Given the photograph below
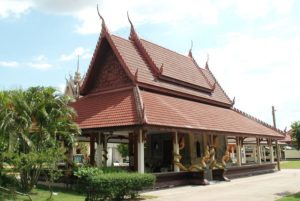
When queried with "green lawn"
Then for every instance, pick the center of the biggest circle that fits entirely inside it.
(294, 197)
(43, 194)
(290, 164)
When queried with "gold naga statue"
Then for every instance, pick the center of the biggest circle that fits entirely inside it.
(208, 158)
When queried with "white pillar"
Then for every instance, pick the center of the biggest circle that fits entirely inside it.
(255, 154)
(99, 151)
(271, 152)
(176, 151)
(258, 151)
(264, 150)
(141, 165)
(238, 152)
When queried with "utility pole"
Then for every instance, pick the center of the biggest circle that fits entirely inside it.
(273, 114)
(277, 146)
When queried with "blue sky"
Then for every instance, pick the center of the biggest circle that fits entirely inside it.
(253, 46)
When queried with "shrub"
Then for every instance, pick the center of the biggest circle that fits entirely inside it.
(84, 172)
(8, 181)
(112, 170)
(117, 186)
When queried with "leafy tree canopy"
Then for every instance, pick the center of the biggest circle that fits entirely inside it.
(123, 150)
(296, 133)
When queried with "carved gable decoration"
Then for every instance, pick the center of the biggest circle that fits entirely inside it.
(110, 74)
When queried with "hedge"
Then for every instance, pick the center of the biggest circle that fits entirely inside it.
(81, 174)
(117, 186)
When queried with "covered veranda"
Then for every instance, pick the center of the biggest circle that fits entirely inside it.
(168, 134)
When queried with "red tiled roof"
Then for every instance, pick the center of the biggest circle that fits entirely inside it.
(163, 110)
(106, 110)
(288, 136)
(176, 66)
(134, 61)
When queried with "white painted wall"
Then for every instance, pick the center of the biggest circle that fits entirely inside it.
(292, 154)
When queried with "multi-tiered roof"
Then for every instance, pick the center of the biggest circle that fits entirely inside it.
(133, 82)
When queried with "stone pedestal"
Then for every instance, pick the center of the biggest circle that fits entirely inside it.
(208, 174)
(218, 175)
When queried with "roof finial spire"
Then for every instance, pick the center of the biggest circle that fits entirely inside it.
(104, 28)
(132, 30)
(190, 52)
(207, 59)
(77, 63)
(77, 76)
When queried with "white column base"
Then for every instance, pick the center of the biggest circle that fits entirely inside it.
(140, 146)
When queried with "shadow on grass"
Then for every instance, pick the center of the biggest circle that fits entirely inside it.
(289, 196)
(59, 190)
(284, 193)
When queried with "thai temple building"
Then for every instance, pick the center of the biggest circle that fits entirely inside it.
(176, 118)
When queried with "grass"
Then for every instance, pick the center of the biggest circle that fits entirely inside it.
(293, 197)
(42, 194)
(292, 164)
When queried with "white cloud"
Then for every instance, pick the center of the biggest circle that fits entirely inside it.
(147, 11)
(83, 53)
(260, 72)
(256, 9)
(40, 62)
(40, 65)
(114, 11)
(14, 7)
(9, 64)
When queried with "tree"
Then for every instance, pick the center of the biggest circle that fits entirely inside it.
(123, 150)
(31, 122)
(296, 133)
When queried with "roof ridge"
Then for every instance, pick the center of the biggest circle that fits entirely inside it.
(216, 82)
(180, 54)
(140, 47)
(105, 92)
(198, 67)
(257, 120)
(139, 105)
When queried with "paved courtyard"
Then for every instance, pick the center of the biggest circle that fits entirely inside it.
(267, 187)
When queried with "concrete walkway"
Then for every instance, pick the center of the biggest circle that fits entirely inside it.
(267, 187)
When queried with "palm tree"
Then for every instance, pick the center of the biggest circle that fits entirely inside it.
(32, 121)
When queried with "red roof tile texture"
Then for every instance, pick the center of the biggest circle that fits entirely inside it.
(106, 110)
(162, 110)
(176, 66)
(135, 61)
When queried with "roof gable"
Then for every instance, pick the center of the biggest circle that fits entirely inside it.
(179, 75)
